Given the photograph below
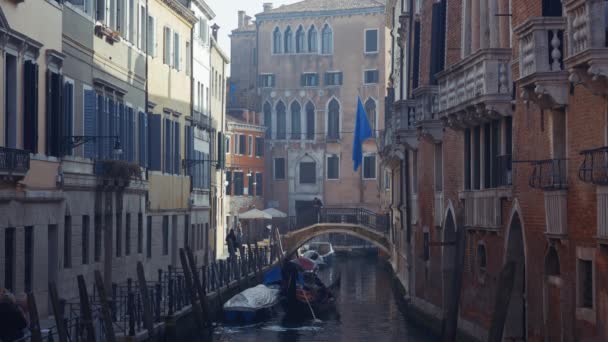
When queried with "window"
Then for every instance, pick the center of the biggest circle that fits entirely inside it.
(30, 105)
(296, 124)
(203, 30)
(229, 183)
(476, 158)
(438, 167)
(227, 145)
(57, 121)
(426, 248)
(276, 41)
(242, 144)
(370, 109)
(259, 181)
(327, 40)
(83, 5)
(333, 120)
(371, 41)
(268, 119)
(128, 234)
(141, 39)
(371, 76)
(300, 39)
(310, 121)
(97, 239)
(308, 174)
(167, 52)
(10, 102)
(68, 115)
(467, 159)
(149, 237)
(481, 258)
(140, 233)
(250, 184)
(239, 183)
(387, 180)
(369, 167)
(28, 250)
(551, 8)
(266, 81)
(333, 78)
(118, 235)
(165, 235)
(438, 33)
(585, 284)
(281, 121)
(250, 146)
(333, 167)
(288, 40)
(9, 258)
(312, 39)
(188, 59)
(309, 80)
(259, 147)
(176, 42)
(279, 168)
(85, 239)
(67, 242)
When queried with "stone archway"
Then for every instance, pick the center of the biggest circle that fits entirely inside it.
(515, 324)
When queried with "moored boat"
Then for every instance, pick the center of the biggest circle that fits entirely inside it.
(253, 304)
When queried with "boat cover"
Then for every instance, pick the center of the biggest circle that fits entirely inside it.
(305, 263)
(253, 299)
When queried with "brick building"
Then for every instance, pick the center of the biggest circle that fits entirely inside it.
(312, 59)
(495, 137)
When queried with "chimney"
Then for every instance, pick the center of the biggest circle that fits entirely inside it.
(267, 6)
(247, 19)
(214, 29)
(241, 19)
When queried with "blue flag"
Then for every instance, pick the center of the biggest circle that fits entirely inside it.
(362, 132)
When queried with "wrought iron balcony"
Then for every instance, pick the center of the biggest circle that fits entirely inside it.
(476, 89)
(587, 44)
(594, 168)
(549, 175)
(542, 77)
(14, 163)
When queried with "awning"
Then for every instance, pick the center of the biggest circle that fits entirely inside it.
(255, 214)
(275, 213)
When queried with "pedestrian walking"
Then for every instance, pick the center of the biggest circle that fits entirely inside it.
(317, 205)
(231, 242)
(239, 239)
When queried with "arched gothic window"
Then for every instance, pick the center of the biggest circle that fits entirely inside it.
(333, 120)
(300, 38)
(312, 39)
(281, 121)
(327, 40)
(276, 41)
(310, 121)
(370, 109)
(296, 125)
(288, 44)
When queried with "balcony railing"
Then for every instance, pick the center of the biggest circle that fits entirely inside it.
(587, 43)
(504, 170)
(404, 123)
(476, 89)
(14, 162)
(483, 208)
(549, 175)
(541, 69)
(594, 168)
(202, 120)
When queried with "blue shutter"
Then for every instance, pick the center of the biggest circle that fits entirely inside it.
(101, 107)
(188, 136)
(131, 134)
(122, 130)
(90, 124)
(167, 150)
(109, 129)
(141, 125)
(154, 138)
(176, 155)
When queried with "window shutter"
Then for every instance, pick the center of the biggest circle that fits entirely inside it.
(176, 51)
(168, 165)
(122, 136)
(70, 115)
(30, 105)
(176, 154)
(131, 135)
(141, 136)
(99, 126)
(49, 109)
(154, 138)
(188, 152)
(111, 128)
(303, 80)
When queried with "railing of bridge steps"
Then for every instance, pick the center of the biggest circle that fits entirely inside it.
(358, 216)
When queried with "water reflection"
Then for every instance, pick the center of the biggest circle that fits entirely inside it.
(366, 311)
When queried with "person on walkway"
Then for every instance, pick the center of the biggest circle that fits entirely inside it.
(317, 204)
(12, 319)
(239, 239)
(231, 242)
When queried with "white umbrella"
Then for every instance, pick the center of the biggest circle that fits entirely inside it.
(275, 213)
(255, 214)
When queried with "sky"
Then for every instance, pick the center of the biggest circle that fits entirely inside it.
(226, 15)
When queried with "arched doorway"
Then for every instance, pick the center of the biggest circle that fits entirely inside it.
(515, 325)
(553, 294)
(448, 256)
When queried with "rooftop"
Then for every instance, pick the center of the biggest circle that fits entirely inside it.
(325, 5)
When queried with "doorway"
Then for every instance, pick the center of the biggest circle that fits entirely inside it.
(515, 325)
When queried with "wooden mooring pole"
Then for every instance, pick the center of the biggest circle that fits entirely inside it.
(58, 313)
(143, 291)
(34, 319)
(85, 310)
(202, 295)
(106, 315)
(198, 314)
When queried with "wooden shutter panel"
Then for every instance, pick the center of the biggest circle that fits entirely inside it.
(131, 134)
(90, 124)
(176, 153)
(122, 136)
(154, 137)
(30, 105)
(141, 136)
(168, 165)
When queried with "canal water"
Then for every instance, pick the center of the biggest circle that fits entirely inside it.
(366, 311)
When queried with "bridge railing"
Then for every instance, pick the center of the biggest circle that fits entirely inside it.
(359, 216)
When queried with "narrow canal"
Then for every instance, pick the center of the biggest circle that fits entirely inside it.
(367, 311)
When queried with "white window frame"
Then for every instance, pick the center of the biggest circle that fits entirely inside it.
(365, 82)
(327, 167)
(365, 41)
(335, 72)
(375, 166)
(311, 73)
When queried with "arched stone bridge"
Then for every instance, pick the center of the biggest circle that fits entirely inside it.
(357, 222)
